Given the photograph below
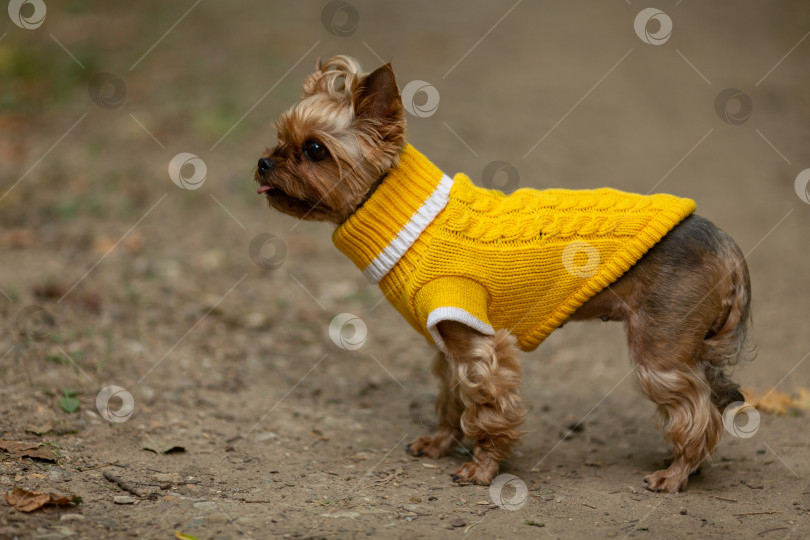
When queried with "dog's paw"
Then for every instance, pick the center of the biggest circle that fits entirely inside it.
(473, 473)
(665, 481)
(432, 447)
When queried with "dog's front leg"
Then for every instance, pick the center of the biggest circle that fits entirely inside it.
(485, 373)
(448, 409)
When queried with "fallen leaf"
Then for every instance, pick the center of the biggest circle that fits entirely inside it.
(69, 402)
(28, 501)
(40, 429)
(50, 290)
(803, 401)
(162, 447)
(184, 536)
(133, 243)
(27, 449)
(18, 238)
(319, 435)
(772, 401)
(103, 244)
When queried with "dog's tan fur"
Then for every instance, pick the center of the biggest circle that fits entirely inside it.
(685, 304)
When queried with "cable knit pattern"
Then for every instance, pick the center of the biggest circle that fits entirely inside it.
(524, 262)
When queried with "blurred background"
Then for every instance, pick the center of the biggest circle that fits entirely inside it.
(178, 284)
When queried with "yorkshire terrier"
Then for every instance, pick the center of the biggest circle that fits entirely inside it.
(480, 273)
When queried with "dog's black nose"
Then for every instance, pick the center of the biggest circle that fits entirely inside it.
(265, 164)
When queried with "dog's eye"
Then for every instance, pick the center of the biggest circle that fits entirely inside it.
(315, 151)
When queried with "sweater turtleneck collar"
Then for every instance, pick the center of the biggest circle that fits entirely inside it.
(407, 200)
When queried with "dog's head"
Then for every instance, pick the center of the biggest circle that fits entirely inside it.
(336, 144)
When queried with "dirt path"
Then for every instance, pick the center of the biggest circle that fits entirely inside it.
(225, 348)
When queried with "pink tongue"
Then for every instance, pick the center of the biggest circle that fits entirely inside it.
(263, 189)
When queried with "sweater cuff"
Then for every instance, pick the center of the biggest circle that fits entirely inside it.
(452, 299)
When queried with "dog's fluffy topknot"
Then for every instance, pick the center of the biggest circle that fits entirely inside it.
(337, 77)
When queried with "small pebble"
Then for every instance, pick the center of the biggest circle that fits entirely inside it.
(683, 511)
(458, 522)
(205, 505)
(55, 474)
(72, 517)
(219, 517)
(123, 499)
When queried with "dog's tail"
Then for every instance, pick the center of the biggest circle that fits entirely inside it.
(727, 342)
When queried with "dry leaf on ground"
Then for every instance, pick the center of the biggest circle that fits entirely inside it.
(163, 447)
(27, 501)
(27, 449)
(776, 401)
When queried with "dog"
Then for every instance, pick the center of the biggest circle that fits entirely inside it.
(482, 274)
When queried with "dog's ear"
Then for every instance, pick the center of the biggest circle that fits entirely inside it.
(377, 95)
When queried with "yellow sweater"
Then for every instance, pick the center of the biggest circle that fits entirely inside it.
(443, 249)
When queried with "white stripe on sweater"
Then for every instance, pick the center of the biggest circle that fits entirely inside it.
(418, 222)
(449, 313)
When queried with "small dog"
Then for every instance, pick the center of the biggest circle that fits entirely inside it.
(480, 273)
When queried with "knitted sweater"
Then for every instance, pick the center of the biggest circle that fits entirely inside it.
(443, 249)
